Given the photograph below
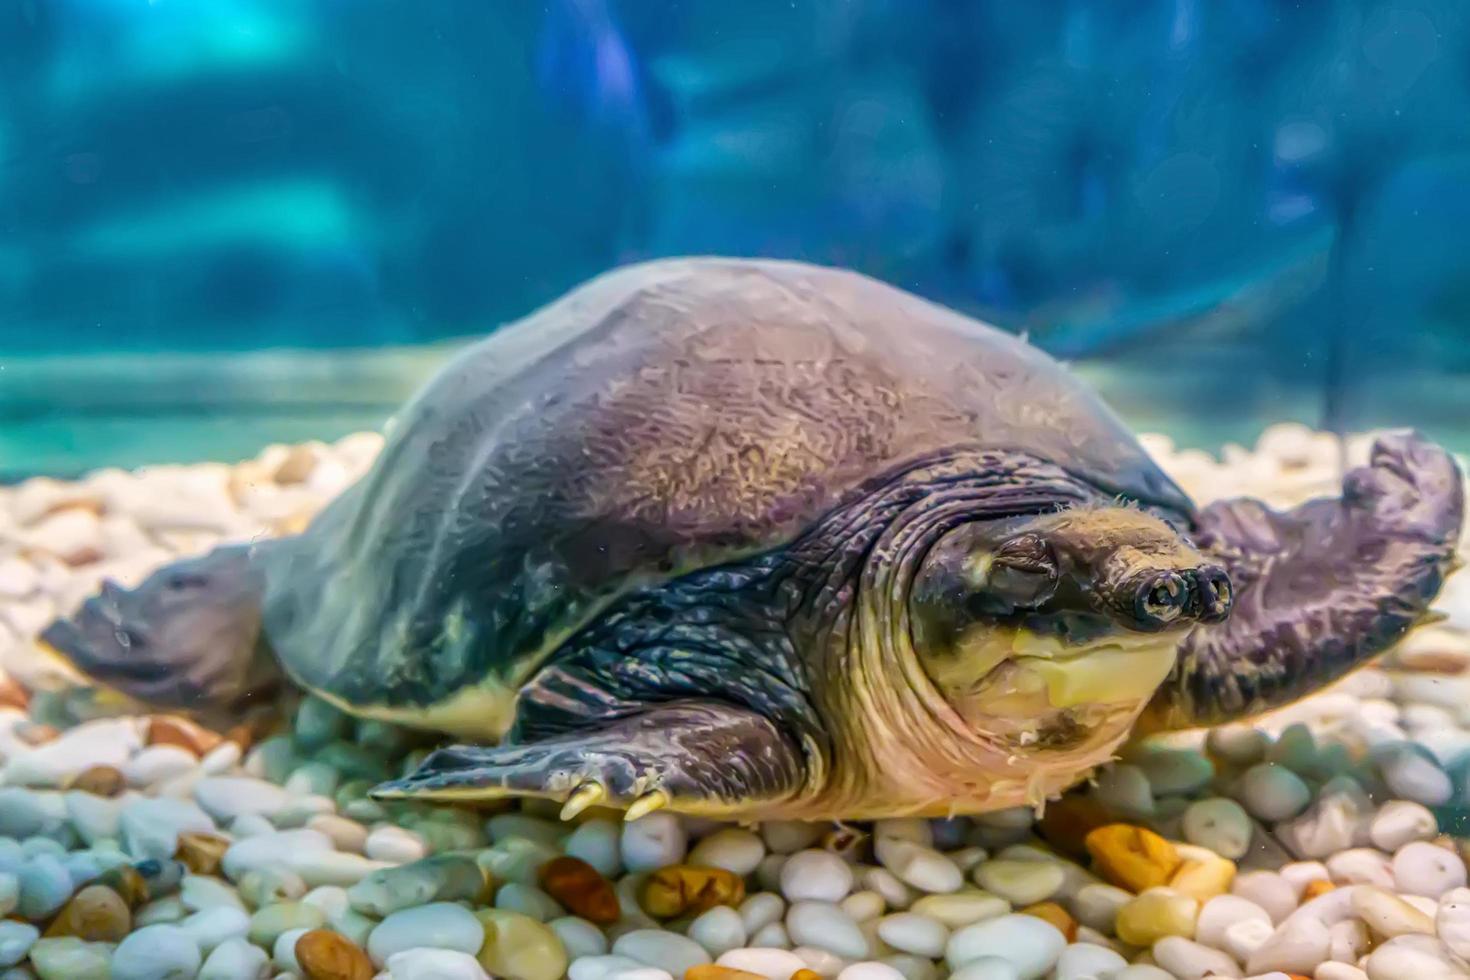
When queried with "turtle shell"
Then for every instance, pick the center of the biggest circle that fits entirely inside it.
(658, 419)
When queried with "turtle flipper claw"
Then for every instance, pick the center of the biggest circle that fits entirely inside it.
(694, 756)
(1319, 589)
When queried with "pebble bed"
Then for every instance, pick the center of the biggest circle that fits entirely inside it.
(1321, 842)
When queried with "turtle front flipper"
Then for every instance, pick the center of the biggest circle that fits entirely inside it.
(1319, 589)
(698, 757)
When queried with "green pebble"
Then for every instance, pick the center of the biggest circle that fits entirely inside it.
(270, 886)
(318, 723)
(267, 924)
(353, 761)
(440, 878)
(277, 758)
(313, 779)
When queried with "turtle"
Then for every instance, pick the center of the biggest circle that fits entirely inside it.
(759, 539)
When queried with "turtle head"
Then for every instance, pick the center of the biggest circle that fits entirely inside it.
(1056, 629)
(188, 637)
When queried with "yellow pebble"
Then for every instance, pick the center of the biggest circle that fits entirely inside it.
(518, 947)
(95, 914)
(684, 889)
(1157, 913)
(1132, 857)
(1315, 888)
(713, 971)
(1202, 880)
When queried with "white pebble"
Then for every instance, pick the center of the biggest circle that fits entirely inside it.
(235, 959)
(1224, 911)
(731, 848)
(283, 952)
(1242, 939)
(760, 910)
(987, 968)
(772, 936)
(962, 908)
(1026, 942)
(1087, 961)
(777, 964)
(652, 842)
(442, 925)
(226, 797)
(919, 866)
(1020, 882)
(528, 900)
(1240, 745)
(1411, 776)
(1335, 821)
(264, 850)
(161, 952)
(815, 876)
(199, 892)
(825, 926)
(863, 905)
(597, 842)
(394, 845)
(434, 964)
(1220, 824)
(581, 938)
(157, 763)
(1271, 792)
(16, 940)
(1189, 960)
(1297, 946)
(718, 930)
(69, 958)
(1401, 822)
(1361, 866)
(1386, 914)
(1268, 890)
(869, 970)
(601, 965)
(214, 926)
(1096, 905)
(1422, 868)
(151, 826)
(1338, 971)
(895, 894)
(1404, 957)
(790, 836)
(45, 885)
(665, 950)
(1299, 874)
(820, 961)
(909, 932)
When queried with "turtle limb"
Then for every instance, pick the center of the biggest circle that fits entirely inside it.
(1319, 589)
(702, 757)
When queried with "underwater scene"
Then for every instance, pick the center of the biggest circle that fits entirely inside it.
(787, 490)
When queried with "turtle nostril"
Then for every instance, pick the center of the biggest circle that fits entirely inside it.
(1162, 599)
(1215, 595)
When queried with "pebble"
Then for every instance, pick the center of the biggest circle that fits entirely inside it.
(161, 952)
(1411, 956)
(1272, 792)
(1422, 868)
(1361, 866)
(918, 866)
(1401, 822)
(760, 910)
(1452, 921)
(321, 954)
(1020, 882)
(1027, 943)
(1132, 857)
(772, 936)
(1297, 946)
(736, 850)
(1268, 890)
(654, 841)
(217, 925)
(987, 968)
(532, 901)
(16, 940)
(1189, 960)
(665, 950)
(718, 930)
(45, 885)
(1224, 911)
(776, 964)
(442, 925)
(69, 958)
(434, 964)
(912, 932)
(682, 889)
(814, 875)
(863, 905)
(1388, 915)
(269, 921)
(394, 845)
(95, 913)
(1337, 819)
(825, 926)
(226, 797)
(869, 971)
(1175, 772)
(597, 842)
(1124, 789)
(235, 959)
(1220, 824)
(520, 948)
(1411, 776)
(1154, 914)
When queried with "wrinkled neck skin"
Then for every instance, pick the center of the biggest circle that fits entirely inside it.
(898, 744)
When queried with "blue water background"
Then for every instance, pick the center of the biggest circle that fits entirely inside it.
(1241, 209)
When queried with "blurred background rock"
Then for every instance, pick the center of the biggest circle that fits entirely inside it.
(229, 222)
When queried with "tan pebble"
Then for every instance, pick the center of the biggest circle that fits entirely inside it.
(172, 730)
(325, 955)
(297, 466)
(1316, 887)
(95, 914)
(1056, 915)
(201, 853)
(713, 971)
(99, 781)
(1202, 880)
(1388, 915)
(520, 948)
(578, 886)
(1156, 913)
(12, 695)
(127, 882)
(1132, 857)
(683, 889)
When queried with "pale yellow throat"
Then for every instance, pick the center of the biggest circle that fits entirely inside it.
(1018, 673)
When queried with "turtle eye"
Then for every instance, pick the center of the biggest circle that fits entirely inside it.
(1022, 572)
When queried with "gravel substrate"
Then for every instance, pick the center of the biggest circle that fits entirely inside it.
(1322, 842)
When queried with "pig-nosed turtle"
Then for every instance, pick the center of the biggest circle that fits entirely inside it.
(761, 539)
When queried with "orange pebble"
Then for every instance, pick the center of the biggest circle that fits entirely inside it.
(1132, 857)
(1056, 915)
(201, 853)
(1315, 887)
(683, 889)
(326, 955)
(173, 730)
(578, 885)
(806, 975)
(713, 971)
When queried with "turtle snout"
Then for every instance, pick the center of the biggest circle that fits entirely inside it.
(1212, 594)
(1168, 598)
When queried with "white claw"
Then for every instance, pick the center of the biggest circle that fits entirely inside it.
(646, 804)
(582, 797)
